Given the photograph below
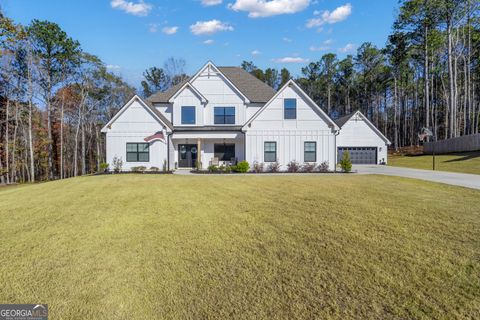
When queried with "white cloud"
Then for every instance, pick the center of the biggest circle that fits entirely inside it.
(170, 30)
(255, 53)
(209, 27)
(287, 39)
(209, 3)
(326, 17)
(263, 8)
(290, 60)
(208, 42)
(321, 48)
(328, 42)
(349, 47)
(137, 9)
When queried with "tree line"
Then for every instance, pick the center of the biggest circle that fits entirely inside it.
(55, 97)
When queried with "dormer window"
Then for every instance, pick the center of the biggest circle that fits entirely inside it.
(188, 115)
(290, 108)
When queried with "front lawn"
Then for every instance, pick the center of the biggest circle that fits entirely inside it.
(245, 247)
(466, 162)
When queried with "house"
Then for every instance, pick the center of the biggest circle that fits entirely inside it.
(365, 143)
(221, 115)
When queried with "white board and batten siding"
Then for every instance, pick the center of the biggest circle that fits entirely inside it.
(132, 125)
(356, 132)
(219, 93)
(187, 97)
(290, 134)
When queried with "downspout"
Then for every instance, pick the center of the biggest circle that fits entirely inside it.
(168, 149)
(244, 145)
(336, 133)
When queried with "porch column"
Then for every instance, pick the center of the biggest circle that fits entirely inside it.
(199, 153)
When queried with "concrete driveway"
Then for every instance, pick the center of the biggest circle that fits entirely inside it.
(456, 179)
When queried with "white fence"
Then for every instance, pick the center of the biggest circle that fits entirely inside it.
(459, 144)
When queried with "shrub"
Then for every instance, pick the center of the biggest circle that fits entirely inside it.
(228, 169)
(346, 163)
(104, 167)
(154, 169)
(258, 167)
(308, 167)
(221, 168)
(323, 167)
(273, 167)
(139, 169)
(212, 168)
(117, 164)
(293, 166)
(242, 166)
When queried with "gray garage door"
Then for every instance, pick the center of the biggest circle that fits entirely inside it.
(360, 155)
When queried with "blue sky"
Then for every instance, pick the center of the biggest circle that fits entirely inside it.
(132, 35)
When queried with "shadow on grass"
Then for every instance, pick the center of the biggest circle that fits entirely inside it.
(464, 156)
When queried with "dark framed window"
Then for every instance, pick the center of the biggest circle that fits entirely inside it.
(310, 151)
(270, 151)
(224, 151)
(224, 115)
(188, 115)
(290, 108)
(138, 152)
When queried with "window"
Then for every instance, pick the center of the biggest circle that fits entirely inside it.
(224, 115)
(270, 152)
(224, 152)
(310, 151)
(188, 115)
(138, 152)
(290, 108)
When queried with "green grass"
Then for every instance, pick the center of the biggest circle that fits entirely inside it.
(467, 162)
(245, 247)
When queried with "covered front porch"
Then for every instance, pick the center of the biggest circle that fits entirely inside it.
(201, 149)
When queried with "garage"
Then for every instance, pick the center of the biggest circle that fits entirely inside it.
(365, 143)
(360, 155)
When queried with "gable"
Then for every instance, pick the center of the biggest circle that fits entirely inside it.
(190, 91)
(137, 116)
(357, 125)
(216, 88)
(309, 115)
(188, 96)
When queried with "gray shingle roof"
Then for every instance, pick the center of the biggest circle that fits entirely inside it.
(164, 96)
(254, 89)
(158, 114)
(341, 121)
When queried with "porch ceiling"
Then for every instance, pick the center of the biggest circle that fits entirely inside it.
(207, 135)
(207, 128)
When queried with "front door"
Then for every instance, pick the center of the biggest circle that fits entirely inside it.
(187, 155)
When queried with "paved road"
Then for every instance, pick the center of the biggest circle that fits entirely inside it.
(456, 179)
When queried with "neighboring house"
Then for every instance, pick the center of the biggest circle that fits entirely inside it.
(365, 143)
(221, 115)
